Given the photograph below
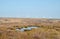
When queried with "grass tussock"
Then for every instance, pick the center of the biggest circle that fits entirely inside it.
(48, 29)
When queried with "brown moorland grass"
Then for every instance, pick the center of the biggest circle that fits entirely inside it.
(49, 28)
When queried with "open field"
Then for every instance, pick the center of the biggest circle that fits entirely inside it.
(49, 28)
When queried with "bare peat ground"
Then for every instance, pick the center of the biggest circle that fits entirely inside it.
(49, 28)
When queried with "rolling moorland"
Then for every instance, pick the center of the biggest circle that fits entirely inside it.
(48, 28)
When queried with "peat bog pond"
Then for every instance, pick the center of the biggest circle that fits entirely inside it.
(28, 28)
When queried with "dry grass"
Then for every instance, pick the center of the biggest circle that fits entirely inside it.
(49, 28)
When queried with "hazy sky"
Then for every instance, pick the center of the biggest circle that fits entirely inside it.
(30, 8)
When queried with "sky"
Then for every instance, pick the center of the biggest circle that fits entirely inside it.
(30, 8)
